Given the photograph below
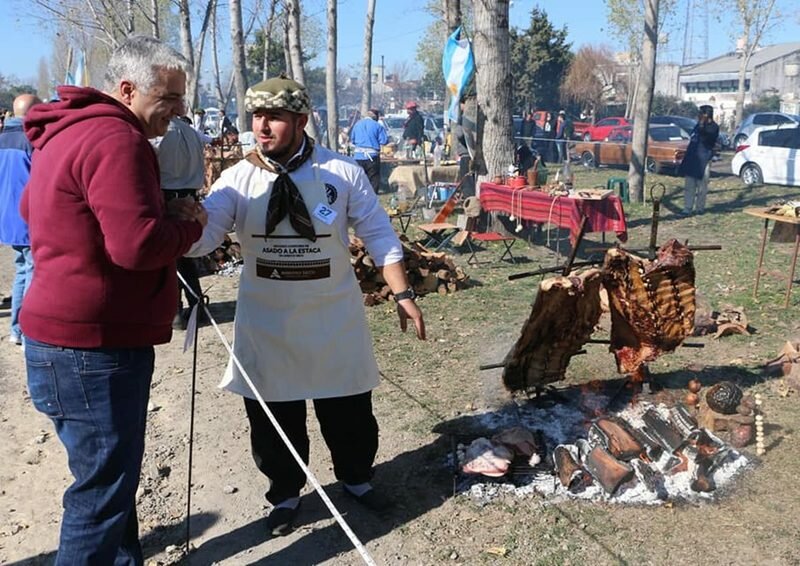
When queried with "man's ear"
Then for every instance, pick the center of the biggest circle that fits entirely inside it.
(302, 121)
(126, 89)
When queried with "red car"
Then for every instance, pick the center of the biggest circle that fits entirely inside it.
(602, 128)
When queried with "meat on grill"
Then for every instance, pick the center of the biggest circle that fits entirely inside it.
(564, 314)
(652, 304)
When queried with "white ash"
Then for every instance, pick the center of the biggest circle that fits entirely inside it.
(564, 424)
(231, 268)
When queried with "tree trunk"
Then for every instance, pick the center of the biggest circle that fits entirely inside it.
(268, 39)
(154, 18)
(198, 58)
(493, 82)
(330, 80)
(239, 64)
(188, 51)
(130, 18)
(215, 61)
(742, 91)
(296, 53)
(452, 14)
(287, 57)
(366, 86)
(644, 98)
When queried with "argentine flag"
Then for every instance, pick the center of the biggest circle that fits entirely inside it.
(458, 65)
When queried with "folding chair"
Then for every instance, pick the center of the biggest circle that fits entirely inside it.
(468, 222)
(439, 235)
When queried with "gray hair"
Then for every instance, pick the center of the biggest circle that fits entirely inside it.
(140, 59)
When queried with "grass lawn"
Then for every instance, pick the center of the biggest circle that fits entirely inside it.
(429, 385)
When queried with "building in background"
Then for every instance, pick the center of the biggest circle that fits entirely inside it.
(772, 70)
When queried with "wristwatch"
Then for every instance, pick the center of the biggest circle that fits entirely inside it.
(407, 294)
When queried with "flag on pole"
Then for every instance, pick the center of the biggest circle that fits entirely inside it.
(458, 66)
(81, 71)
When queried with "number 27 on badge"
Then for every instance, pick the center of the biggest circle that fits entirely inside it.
(325, 214)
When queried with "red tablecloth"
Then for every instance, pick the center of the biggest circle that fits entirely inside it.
(604, 215)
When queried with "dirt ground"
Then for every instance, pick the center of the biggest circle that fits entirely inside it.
(430, 391)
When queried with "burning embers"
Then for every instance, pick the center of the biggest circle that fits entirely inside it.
(645, 454)
(652, 305)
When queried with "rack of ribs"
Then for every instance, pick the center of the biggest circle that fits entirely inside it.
(562, 319)
(652, 304)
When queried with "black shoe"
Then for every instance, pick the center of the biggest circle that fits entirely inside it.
(280, 521)
(372, 500)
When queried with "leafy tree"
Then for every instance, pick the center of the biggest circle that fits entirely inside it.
(540, 56)
(764, 103)
(672, 106)
(10, 89)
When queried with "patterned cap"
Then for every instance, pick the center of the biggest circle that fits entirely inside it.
(279, 93)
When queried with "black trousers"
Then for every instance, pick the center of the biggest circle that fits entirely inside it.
(348, 427)
(372, 167)
(187, 266)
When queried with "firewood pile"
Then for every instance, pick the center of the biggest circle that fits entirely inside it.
(428, 272)
(227, 255)
(217, 159)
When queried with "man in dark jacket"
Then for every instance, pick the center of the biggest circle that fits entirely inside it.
(105, 292)
(696, 164)
(15, 169)
(413, 129)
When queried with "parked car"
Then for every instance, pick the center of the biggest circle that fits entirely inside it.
(602, 128)
(760, 119)
(395, 124)
(687, 124)
(771, 154)
(666, 147)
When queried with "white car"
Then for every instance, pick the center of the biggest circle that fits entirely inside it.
(770, 154)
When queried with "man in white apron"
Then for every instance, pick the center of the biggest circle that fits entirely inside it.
(300, 330)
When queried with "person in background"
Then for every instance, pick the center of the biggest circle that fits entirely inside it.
(226, 128)
(564, 133)
(528, 130)
(367, 137)
(300, 328)
(104, 246)
(550, 134)
(198, 119)
(413, 129)
(181, 162)
(696, 163)
(15, 170)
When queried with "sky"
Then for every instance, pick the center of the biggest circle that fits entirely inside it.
(399, 25)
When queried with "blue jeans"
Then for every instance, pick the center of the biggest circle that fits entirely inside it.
(23, 266)
(97, 400)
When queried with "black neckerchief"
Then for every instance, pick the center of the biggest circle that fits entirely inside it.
(285, 197)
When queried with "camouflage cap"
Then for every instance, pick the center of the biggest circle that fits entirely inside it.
(279, 93)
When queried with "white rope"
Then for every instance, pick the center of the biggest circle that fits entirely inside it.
(309, 474)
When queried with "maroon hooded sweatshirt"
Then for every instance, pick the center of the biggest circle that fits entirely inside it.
(103, 248)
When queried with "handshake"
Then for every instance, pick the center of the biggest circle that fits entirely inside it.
(187, 208)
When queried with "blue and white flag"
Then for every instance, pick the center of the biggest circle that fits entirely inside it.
(81, 71)
(458, 65)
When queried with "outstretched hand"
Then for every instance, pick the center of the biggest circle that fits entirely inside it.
(188, 209)
(408, 309)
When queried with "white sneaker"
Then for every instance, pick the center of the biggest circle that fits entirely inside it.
(15, 339)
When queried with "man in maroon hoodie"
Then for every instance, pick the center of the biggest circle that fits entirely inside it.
(105, 293)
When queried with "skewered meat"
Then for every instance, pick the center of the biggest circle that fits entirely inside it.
(652, 304)
(563, 317)
(486, 458)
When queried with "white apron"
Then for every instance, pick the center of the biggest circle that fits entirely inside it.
(300, 330)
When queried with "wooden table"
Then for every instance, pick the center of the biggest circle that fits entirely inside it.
(767, 216)
(606, 215)
(413, 176)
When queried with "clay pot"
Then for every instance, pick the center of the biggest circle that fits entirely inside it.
(742, 435)
(694, 385)
(498, 180)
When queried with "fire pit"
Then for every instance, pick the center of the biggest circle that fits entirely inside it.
(647, 452)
